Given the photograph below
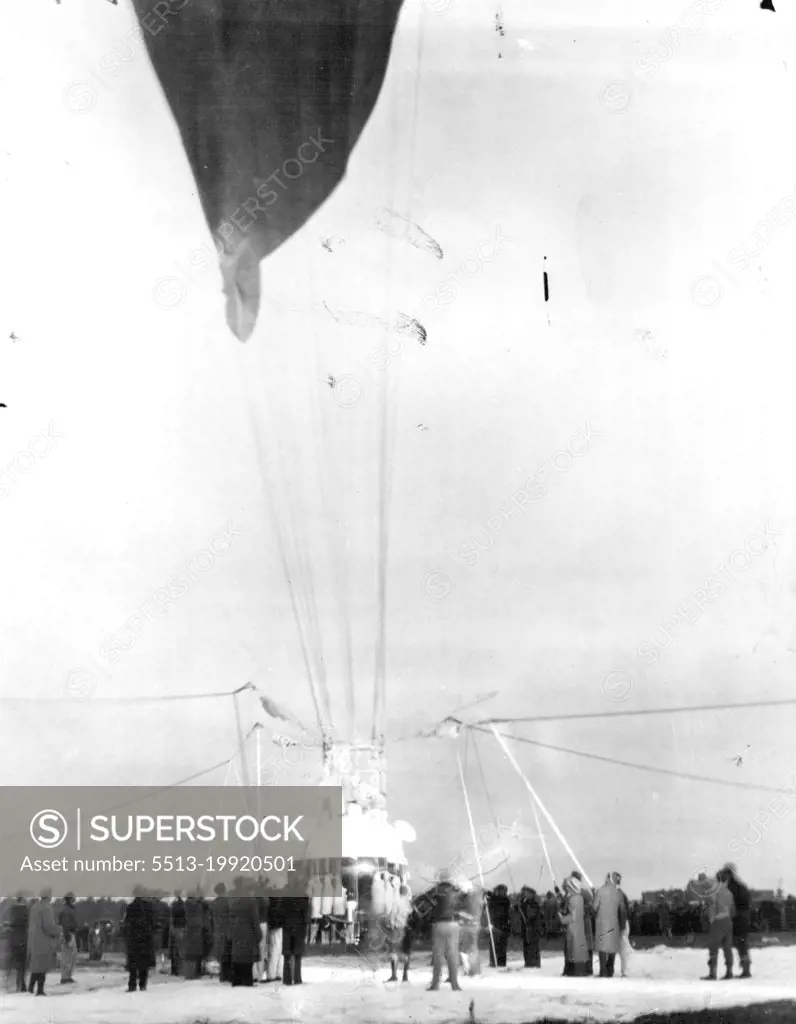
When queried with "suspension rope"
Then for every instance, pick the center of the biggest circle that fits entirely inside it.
(262, 462)
(489, 800)
(637, 713)
(670, 772)
(477, 854)
(545, 851)
(542, 807)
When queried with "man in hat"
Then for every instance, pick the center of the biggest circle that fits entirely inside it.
(499, 912)
(588, 917)
(43, 935)
(220, 915)
(577, 955)
(139, 928)
(609, 909)
(531, 916)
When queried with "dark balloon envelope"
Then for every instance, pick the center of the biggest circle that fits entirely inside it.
(270, 97)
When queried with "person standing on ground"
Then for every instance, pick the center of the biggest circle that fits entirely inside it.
(411, 931)
(551, 922)
(67, 919)
(664, 918)
(276, 923)
(588, 918)
(444, 933)
(43, 935)
(499, 907)
(572, 914)
(177, 932)
(294, 937)
(470, 927)
(721, 909)
(220, 914)
(742, 921)
(192, 953)
(244, 932)
(396, 927)
(625, 949)
(262, 897)
(139, 929)
(610, 914)
(18, 941)
(532, 926)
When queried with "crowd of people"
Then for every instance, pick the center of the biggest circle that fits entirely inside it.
(256, 934)
(253, 937)
(594, 921)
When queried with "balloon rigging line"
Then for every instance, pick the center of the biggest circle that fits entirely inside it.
(501, 740)
(639, 767)
(477, 854)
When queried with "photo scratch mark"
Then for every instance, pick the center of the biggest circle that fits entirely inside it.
(400, 227)
(400, 323)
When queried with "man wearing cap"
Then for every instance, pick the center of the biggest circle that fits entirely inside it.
(67, 919)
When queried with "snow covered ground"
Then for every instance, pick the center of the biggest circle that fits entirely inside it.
(662, 979)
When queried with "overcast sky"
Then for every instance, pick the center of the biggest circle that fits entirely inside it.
(634, 177)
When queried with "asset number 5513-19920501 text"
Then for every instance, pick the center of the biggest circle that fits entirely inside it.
(211, 864)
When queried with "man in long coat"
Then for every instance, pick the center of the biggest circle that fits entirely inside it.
(609, 909)
(221, 942)
(194, 948)
(577, 955)
(532, 925)
(588, 917)
(139, 928)
(551, 923)
(499, 910)
(275, 919)
(294, 936)
(43, 935)
(244, 934)
(177, 932)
